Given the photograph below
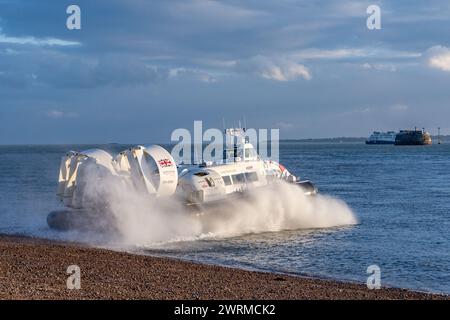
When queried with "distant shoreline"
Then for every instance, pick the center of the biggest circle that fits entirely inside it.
(36, 269)
(329, 140)
(444, 139)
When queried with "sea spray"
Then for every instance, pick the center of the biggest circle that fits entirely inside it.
(134, 216)
(279, 206)
(141, 219)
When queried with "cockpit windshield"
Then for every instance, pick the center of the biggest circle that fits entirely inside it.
(250, 153)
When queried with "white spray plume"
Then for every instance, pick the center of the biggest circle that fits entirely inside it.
(280, 206)
(140, 219)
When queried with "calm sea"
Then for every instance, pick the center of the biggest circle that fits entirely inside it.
(401, 196)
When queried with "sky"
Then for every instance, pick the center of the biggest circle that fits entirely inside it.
(137, 70)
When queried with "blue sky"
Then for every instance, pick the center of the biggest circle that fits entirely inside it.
(139, 69)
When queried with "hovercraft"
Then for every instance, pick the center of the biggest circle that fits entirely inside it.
(151, 169)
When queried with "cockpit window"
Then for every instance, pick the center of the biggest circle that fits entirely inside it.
(201, 174)
(238, 178)
(250, 153)
(227, 180)
(251, 176)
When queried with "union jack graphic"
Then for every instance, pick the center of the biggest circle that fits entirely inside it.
(165, 163)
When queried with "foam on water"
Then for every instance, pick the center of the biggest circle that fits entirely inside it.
(143, 220)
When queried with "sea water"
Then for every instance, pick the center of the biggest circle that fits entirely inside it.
(399, 195)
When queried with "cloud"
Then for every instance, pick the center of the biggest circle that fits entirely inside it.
(353, 53)
(278, 69)
(393, 110)
(219, 13)
(199, 75)
(379, 67)
(57, 114)
(314, 53)
(13, 79)
(399, 108)
(359, 111)
(259, 52)
(28, 40)
(51, 68)
(438, 57)
(350, 9)
(216, 63)
(123, 70)
(283, 125)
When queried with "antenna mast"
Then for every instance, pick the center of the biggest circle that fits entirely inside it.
(223, 125)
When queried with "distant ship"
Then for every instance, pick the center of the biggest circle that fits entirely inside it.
(413, 138)
(382, 137)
